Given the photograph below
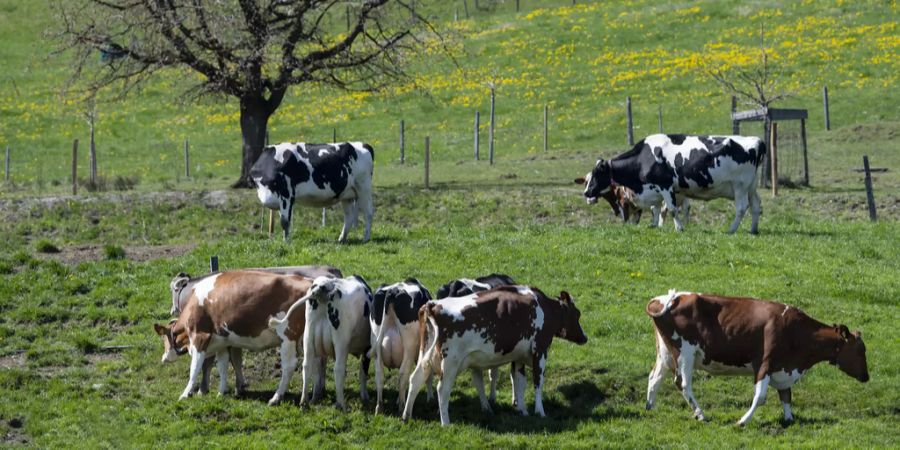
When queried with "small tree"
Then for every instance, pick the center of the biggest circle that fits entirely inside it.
(251, 50)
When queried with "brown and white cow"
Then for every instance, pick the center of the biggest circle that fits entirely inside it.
(182, 286)
(622, 201)
(232, 309)
(775, 343)
(509, 324)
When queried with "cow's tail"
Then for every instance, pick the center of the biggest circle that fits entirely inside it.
(275, 322)
(761, 153)
(426, 322)
(666, 302)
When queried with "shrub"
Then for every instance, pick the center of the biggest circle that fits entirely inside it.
(99, 184)
(125, 183)
(114, 252)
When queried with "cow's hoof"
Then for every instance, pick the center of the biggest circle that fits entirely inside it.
(648, 406)
(754, 232)
(378, 409)
(182, 397)
(523, 413)
(486, 408)
(340, 406)
(364, 396)
(274, 401)
(700, 418)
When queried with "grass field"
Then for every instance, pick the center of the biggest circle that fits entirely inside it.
(62, 385)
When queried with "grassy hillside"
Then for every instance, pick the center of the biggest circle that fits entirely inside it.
(581, 61)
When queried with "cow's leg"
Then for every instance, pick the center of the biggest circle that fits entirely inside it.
(494, 376)
(755, 210)
(340, 373)
(349, 207)
(449, 368)
(410, 349)
(222, 367)
(686, 206)
(379, 375)
(364, 376)
(197, 358)
(237, 363)
(286, 210)
(674, 208)
(663, 360)
(478, 381)
(655, 219)
(421, 373)
(785, 396)
(310, 361)
(686, 370)
(319, 388)
(759, 397)
(539, 363)
(368, 207)
(519, 382)
(741, 203)
(288, 352)
(204, 379)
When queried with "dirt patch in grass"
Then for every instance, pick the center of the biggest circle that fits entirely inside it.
(14, 434)
(86, 253)
(13, 361)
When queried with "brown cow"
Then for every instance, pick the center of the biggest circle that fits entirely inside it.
(508, 324)
(232, 309)
(742, 336)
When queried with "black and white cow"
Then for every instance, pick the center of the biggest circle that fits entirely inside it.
(675, 167)
(317, 175)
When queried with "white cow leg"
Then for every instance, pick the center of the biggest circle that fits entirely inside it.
(285, 211)
(406, 366)
(741, 203)
(675, 209)
(686, 207)
(208, 363)
(310, 362)
(340, 373)
(478, 381)
(656, 378)
(519, 387)
(755, 210)
(222, 367)
(538, 367)
(656, 219)
(349, 207)
(197, 358)
(364, 377)
(759, 397)
(237, 363)
(686, 370)
(288, 352)
(379, 377)
(494, 376)
(420, 374)
(450, 368)
(368, 206)
(785, 396)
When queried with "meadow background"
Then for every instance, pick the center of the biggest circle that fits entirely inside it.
(64, 382)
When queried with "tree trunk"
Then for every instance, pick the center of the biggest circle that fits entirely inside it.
(255, 112)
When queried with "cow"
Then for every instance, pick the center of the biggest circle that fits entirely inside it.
(621, 200)
(317, 175)
(182, 286)
(231, 309)
(337, 325)
(775, 343)
(671, 168)
(395, 332)
(461, 288)
(509, 324)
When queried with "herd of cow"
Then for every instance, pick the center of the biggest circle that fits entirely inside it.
(492, 321)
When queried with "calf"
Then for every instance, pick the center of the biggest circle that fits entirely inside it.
(622, 201)
(337, 325)
(775, 343)
(509, 324)
(395, 332)
(317, 175)
(182, 286)
(232, 309)
(671, 168)
(461, 288)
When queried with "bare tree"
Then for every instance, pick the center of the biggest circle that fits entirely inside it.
(756, 85)
(251, 50)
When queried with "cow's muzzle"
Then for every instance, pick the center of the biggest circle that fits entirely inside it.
(591, 200)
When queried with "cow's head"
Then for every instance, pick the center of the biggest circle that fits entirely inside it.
(571, 328)
(598, 181)
(176, 286)
(850, 353)
(174, 340)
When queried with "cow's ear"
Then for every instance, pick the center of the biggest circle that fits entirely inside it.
(160, 330)
(579, 180)
(843, 331)
(565, 297)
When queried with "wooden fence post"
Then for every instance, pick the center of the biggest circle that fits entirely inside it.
(75, 167)
(271, 222)
(466, 8)
(491, 135)
(546, 136)
(517, 5)
(803, 147)
(659, 112)
(773, 158)
(187, 160)
(870, 197)
(827, 114)
(630, 122)
(477, 125)
(7, 162)
(93, 156)
(334, 135)
(735, 125)
(402, 141)
(427, 158)
(214, 263)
